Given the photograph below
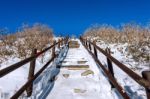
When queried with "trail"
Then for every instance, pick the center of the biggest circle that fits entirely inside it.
(80, 78)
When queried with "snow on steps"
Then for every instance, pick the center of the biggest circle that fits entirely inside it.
(75, 67)
(70, 84)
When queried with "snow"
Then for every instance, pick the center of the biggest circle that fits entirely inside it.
(10, 83)
(95, 86)
(42, 85)
(134, 90)
(92, 86)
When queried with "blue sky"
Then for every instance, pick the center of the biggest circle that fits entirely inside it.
(72, 16)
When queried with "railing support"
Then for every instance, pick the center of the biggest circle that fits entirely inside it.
(95, 51)
(59, 43)
(53, 49)
(86, 42)
(31, 73)
(110, 66)
(83, 41)
(146, 76)
(90, 47)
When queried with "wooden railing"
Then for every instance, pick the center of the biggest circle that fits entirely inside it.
(31, 76)
(143, 81)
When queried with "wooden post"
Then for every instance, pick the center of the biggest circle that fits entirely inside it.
(59, 43)
(86, 42)
(90, 46)
(95, 51)
(53, 49)
(83, 41)
(110, 66)
(31, 73)
(146, 76)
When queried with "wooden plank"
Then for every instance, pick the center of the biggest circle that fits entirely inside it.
(78, 62)
(81, 62)
(75, 67)
(74, 44)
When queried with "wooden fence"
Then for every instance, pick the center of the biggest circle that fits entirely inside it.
(143, 81)
(31, 76)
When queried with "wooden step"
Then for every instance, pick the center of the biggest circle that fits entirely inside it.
(81, 62)
(78, 62)
(74, 44)
(75, 67)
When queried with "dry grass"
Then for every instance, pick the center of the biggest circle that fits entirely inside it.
(137, 37)
(21, 43)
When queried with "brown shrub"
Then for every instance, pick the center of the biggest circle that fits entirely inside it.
(135, 35)
(21, 43)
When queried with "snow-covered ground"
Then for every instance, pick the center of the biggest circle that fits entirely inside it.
(74, 86)
(119, 52)
(10, 83)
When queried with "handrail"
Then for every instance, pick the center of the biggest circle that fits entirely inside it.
(128, 71)
(111, 78)
(31, 77)
(15, 66)
(29, 82)
(143, 81)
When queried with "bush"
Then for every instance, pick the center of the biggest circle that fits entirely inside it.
(38, 36)
(21, 43)
(137, 37)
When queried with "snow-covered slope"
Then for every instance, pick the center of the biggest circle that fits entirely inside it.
(10, 83)
(75, 86)
(118, 51)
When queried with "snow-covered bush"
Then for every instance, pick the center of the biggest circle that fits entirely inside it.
(38, 36)
(27, 38)
(137, 37)
(6, 43)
